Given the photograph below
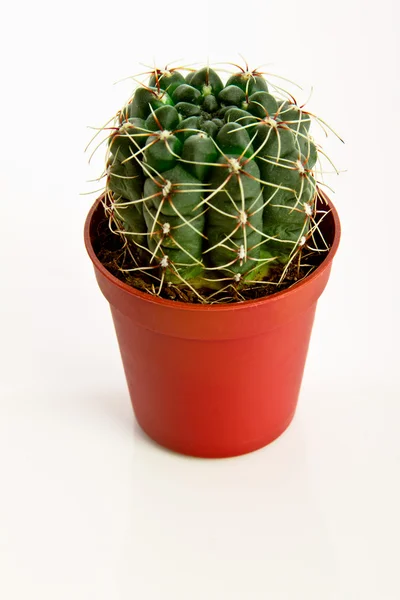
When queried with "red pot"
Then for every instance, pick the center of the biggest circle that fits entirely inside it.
(219, 380)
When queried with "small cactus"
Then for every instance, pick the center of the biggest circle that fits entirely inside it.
(210, 184)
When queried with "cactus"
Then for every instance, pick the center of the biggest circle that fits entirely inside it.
(211, 185)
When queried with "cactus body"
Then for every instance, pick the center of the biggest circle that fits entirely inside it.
(212, 182)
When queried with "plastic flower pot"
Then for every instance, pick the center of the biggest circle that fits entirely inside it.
(214, 380)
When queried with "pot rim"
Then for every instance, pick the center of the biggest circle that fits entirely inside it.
(177, 304)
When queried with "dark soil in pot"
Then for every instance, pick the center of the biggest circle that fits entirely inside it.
(112, 252)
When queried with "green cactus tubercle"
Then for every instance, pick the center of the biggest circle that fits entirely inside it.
(211, 183)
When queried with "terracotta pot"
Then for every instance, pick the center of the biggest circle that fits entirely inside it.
(219, 380)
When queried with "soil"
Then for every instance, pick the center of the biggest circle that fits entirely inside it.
(109, 249)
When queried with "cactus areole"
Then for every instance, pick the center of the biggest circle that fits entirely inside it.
(211, 196)
(210, 186)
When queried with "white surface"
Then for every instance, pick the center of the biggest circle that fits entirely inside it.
(89, 507)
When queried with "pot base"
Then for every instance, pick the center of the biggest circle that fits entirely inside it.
(209, 451)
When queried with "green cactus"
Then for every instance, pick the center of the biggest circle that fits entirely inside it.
(212, 184)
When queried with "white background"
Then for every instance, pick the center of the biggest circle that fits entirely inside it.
(89, 507)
